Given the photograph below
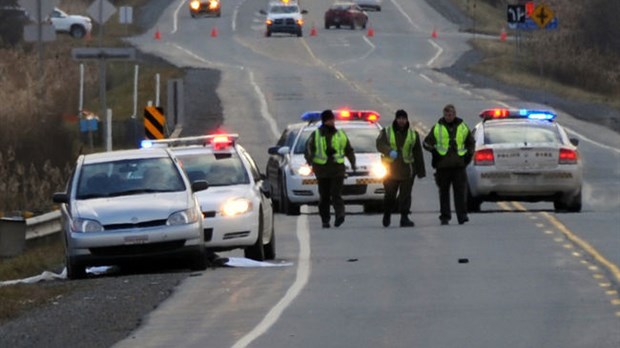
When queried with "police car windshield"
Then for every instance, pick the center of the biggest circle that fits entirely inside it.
(216, 169)
(129, 177)
(284, 9)
(363, 140)
(520, 134)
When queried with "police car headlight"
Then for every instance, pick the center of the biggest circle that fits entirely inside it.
(86, 225)
(195, 4)
(236, 206)
(304, 170)
(183, 217)
(378, 170)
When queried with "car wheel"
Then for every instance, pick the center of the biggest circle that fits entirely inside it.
(326, 25)
(337, 26)
(373, 207)
(75, 270)
(364, 25)
(300, 33)
(378, 8)
(571, 204)
(77, 31)
(199, 262)
(193, 15)
(270, 248)
(286, 206)
(257, 251)
(473, 203)
(353, 25)
(268, 33)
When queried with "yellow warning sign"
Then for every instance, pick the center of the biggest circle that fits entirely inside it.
(154, 121)
(542, 15)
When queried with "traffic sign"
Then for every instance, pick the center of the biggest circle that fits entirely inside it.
(109, 53)
(154, 121)
(126, 15)
(31, 32)
(542, 15)
(101, 11)
(32, 8)
(516, 13)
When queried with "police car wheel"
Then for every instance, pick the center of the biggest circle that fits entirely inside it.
(199, 262)
(75, 270)
(286, 207)
(270, 248)
(571, 204)
(256, 251)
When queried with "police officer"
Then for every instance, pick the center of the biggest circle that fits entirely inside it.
(402, 155)
(325, 151)
(452, 146)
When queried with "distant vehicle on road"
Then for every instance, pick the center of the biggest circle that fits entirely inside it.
(284, 17)
(77, 26)
(205, 7)
(374, 5)
(346, 14)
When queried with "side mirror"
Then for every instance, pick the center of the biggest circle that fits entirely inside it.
(284, 150)
(574, 141)
(304, 11)
(199, 185)
(263, 12)
(60, 197)
(273, 150)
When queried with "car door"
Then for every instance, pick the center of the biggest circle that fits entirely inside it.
(261, 187)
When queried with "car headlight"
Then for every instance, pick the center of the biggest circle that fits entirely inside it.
(269, 22)
(378, 170)
(183, 217)
(302, 170)
(236, 206)
(86, 225)
(213, 4)
(195, 5)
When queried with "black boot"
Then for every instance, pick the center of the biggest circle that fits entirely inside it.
(405, 222)
(386, 219)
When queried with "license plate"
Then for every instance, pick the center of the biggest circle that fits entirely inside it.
(131, 240)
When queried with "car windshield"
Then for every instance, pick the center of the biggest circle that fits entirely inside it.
(520, 134)
(284, 9)
(128, 177)
(216, 169)
(363, 140)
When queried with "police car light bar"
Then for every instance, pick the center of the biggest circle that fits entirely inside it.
(499, 113)
(343, 115)
(219, 141)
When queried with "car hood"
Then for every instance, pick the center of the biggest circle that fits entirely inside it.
(212, 198)
(364, 161)
(132, 209)
(79, 18)
(284, 15)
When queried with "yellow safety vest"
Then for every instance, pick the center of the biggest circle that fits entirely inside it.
(339, 142)
(442, 138)
(407, 146)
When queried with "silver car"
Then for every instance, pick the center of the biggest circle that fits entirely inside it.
(524, 155)
(123, 206)
(374, 5)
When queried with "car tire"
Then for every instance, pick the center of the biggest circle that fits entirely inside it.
(286, 207)
(256, 251)
(378, 8)
(571, 204)
(353, 26)
(77, 31)
(300, 33)
(268, 33)
(364, 25)
(75, 270)
(270, 248)
(473, 203)
(199, 262)
(337, 26)
(327, 26)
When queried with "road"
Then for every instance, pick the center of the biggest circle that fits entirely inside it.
(516, 275)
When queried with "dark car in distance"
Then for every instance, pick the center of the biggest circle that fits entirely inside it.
(346, 14)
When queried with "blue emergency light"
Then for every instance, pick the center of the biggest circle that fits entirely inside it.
(501, 113)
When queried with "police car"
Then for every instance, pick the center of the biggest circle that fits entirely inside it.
(284, 16)
(236, 207)
(524, 155)
(292, 181)
(122, 206)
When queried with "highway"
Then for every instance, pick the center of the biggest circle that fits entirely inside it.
(516, 275)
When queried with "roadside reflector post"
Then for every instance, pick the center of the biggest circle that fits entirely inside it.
(108, 138)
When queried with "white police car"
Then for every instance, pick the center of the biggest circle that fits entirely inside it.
(122, 206)
(236, 207)
(292, 181)
(524, 155)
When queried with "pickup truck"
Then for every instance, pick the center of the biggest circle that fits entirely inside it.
(77, 26)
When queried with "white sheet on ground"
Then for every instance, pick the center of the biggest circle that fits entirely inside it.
(243, 262)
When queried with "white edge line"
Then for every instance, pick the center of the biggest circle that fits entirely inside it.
(397, 5)
(264, 110)
(426, 78)
(175, 16)
(364, 56)
(303, 274)
(439, 52)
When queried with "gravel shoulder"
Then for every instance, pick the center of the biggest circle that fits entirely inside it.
(101, 311)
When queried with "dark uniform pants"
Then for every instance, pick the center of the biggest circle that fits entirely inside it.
(457, 179)
(330, 192)
(403, 188)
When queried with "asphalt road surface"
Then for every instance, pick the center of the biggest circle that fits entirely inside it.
(516, 275)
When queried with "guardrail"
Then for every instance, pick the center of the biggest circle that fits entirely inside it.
(44, 225)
